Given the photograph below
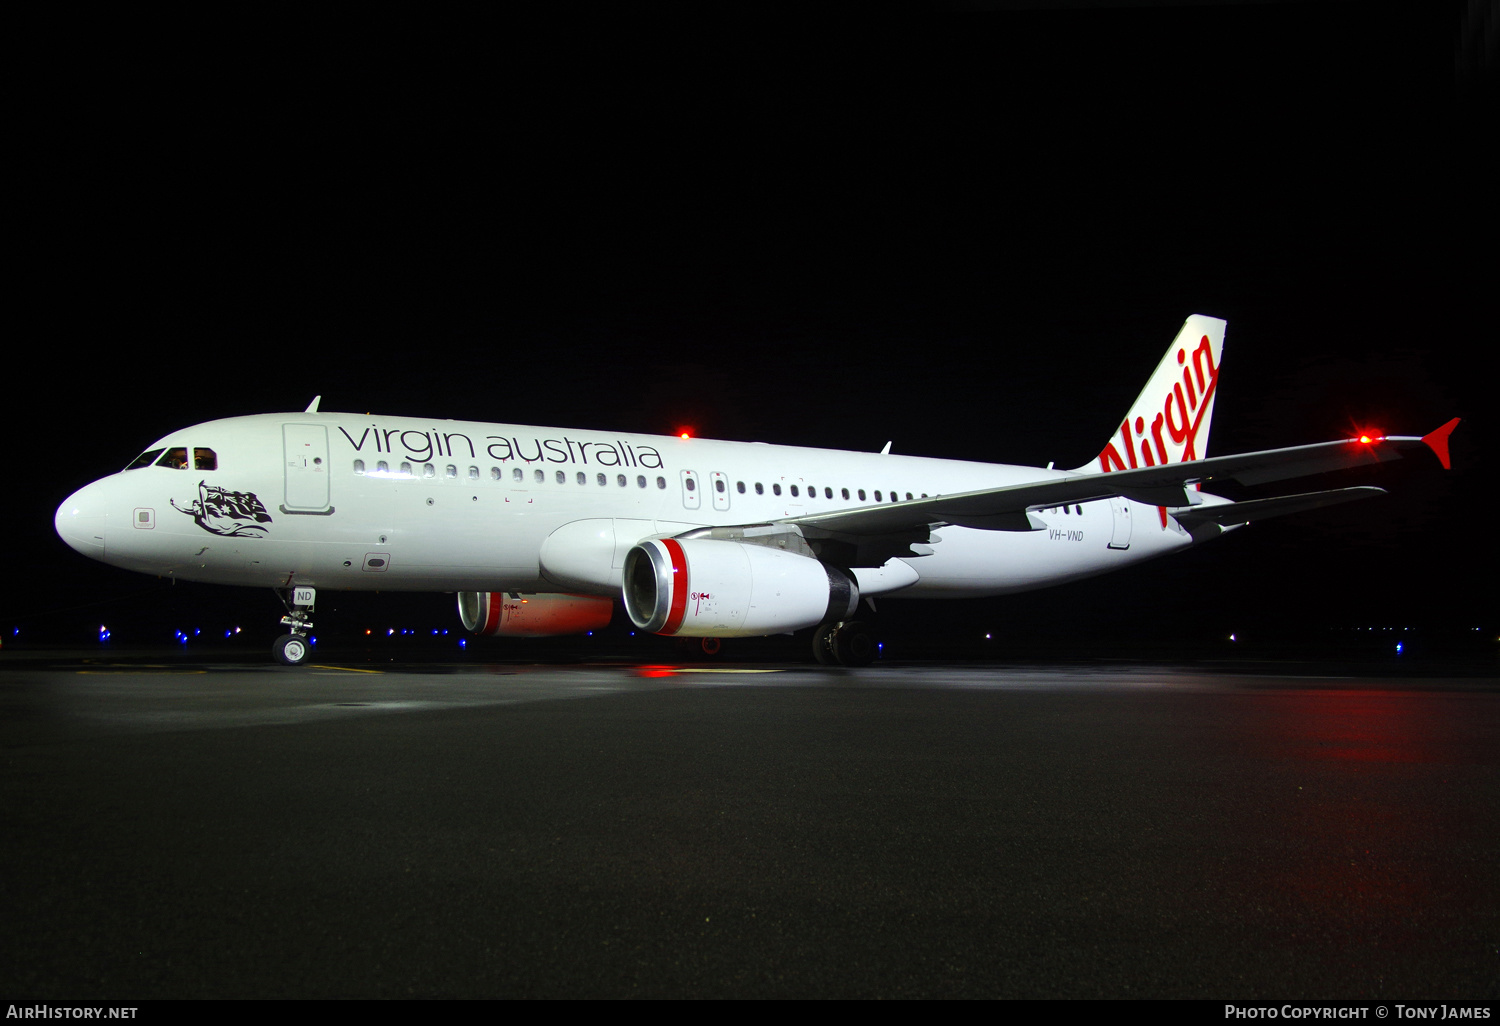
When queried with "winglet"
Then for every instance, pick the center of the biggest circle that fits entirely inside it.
(1437, 441)
(312, 407)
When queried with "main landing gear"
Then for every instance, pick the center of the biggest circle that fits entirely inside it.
(294, 648)
(700, 648)
(849, 643)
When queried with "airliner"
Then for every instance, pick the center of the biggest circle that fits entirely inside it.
(540, 531)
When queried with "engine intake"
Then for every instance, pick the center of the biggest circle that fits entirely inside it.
(709, 588)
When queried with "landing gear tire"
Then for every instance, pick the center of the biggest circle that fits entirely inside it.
(853, 644)
(844, 644)
(822, 647)
(699, 648)
(291, 649)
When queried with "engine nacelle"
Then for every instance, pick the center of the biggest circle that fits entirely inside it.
(710, 588)
(532, 616)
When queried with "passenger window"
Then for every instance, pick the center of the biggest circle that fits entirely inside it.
(382, 467)
(602, 480)
(794, 490)
(845, 492)
(620, 480)
(359, 466)
(541, 477)
(776, 489)
(877, 496)
(828, 492)
(562, 478)
(517, 474)
(450, 472)
(175, 458)
(719, 485)
(908, 495)
(429, 471)
(862, 495)
(661, 482)
(494, 473)
(473, 473)
(406, 470)
(145, 459)
(740, 486)
(640, 480)
(759, 490)
(692, 485)
(583, 478)
(205, 459)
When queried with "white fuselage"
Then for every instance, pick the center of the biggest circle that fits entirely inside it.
(341, 501)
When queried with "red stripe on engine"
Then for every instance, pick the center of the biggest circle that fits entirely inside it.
(679, 586)
(492, 604)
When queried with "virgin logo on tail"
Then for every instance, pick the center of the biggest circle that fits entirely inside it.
(1181, 418)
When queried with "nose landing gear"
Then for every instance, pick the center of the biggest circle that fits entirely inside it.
(294, 648)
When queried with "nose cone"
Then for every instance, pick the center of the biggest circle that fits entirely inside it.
(81, 519)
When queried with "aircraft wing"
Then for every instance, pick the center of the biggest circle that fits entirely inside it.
(1230, 514)
(1005, 509)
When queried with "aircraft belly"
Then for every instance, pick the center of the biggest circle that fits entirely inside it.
(589, 555)
(444, 532)
(894, 576)
(967, 562)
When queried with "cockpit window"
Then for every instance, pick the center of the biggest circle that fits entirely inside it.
(205, 459)
(145, 459)
(175, 457)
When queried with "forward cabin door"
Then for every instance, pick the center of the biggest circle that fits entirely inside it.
(306, 450)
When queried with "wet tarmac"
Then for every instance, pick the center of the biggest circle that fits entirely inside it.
(207, 830)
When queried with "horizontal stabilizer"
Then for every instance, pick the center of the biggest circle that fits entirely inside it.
(1233, 513)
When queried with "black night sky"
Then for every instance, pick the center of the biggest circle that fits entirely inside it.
(971, 234)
